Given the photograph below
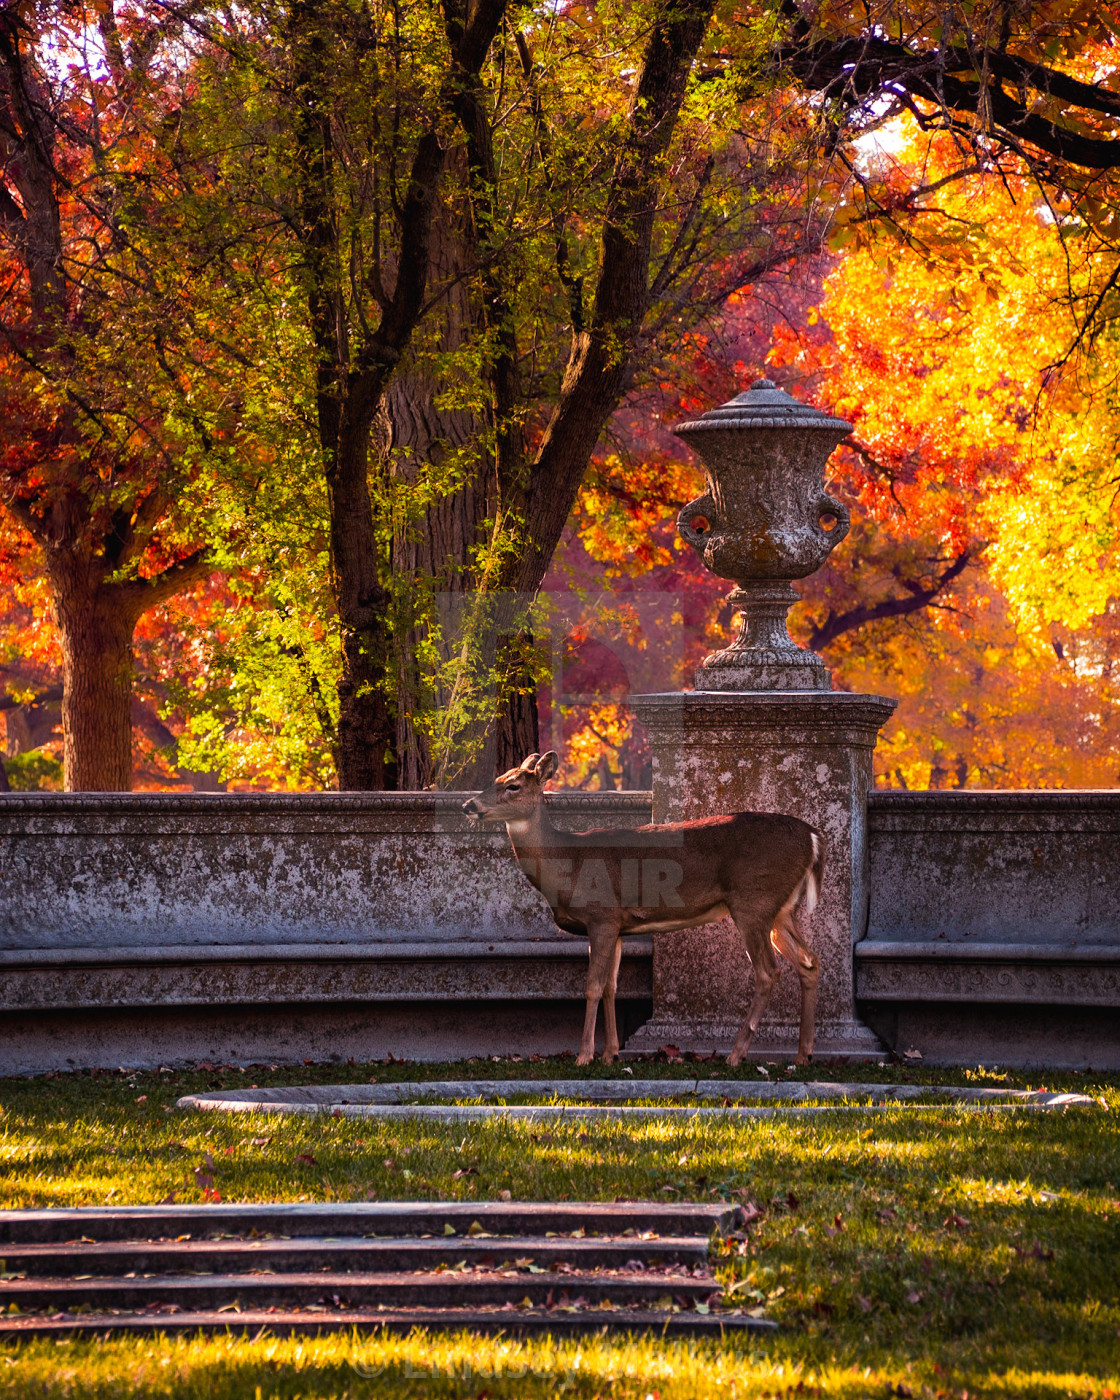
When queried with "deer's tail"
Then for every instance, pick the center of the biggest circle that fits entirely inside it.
(809, 891)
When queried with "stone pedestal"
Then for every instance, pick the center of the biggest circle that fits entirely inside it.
(806, 753)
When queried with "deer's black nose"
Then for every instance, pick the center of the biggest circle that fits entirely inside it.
(471, 807)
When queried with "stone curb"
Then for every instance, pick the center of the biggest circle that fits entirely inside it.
(409, 1100)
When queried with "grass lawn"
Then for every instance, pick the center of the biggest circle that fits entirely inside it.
(932, 1254)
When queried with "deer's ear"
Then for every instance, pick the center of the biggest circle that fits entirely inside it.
(529, 764)
(547, 766)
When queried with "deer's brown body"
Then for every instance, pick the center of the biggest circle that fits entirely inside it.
(758, 868)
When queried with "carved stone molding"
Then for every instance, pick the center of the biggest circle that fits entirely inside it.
(1083, 977)
(156, 813)
(909, 813)
(554, 971)
(788, 718)
(705, 1035)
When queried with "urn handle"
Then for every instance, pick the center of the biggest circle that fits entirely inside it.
(697, 521)
(834, 520)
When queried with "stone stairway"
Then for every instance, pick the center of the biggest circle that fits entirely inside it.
(517, 1267)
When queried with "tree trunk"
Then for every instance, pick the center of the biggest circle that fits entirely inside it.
(417, 441)
(518, 732)
(428, 550)
(95, 629)
(365, 727)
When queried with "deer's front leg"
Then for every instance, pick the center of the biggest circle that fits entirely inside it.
(604, 941)
(610, 1025)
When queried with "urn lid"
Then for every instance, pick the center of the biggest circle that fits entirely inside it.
(763, 405)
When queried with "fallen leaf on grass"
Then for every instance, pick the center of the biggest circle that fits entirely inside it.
(958, 1222)
(1036, 1251)
(913, 1297)
(505, 1195)
(305, 1159)
(864, 1303)
(460, 1172)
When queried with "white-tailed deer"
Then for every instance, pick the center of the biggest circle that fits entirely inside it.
(759, 868)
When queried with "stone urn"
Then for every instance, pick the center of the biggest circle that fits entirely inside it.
(765, 520)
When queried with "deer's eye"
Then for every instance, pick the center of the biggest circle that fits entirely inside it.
(513, 787)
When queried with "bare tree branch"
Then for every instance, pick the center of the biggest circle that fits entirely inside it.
(918, 596)
(142, 594)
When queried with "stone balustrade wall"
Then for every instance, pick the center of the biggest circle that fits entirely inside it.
(99, 871)
(143, 928)
(993, 927)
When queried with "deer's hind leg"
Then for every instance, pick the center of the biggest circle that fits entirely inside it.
(754, 924)
(787, 940)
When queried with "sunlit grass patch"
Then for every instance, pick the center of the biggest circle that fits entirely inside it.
(926, 1253)
(459, 1364)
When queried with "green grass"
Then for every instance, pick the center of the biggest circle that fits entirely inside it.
(861, 1255)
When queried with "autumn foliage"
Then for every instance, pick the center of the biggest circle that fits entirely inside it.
(244, 457)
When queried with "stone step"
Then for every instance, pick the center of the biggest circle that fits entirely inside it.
(364, 1218)
(557, 1321)
(445, 1289)
(377, 1255)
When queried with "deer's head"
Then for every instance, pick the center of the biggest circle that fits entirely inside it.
(516, 795)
